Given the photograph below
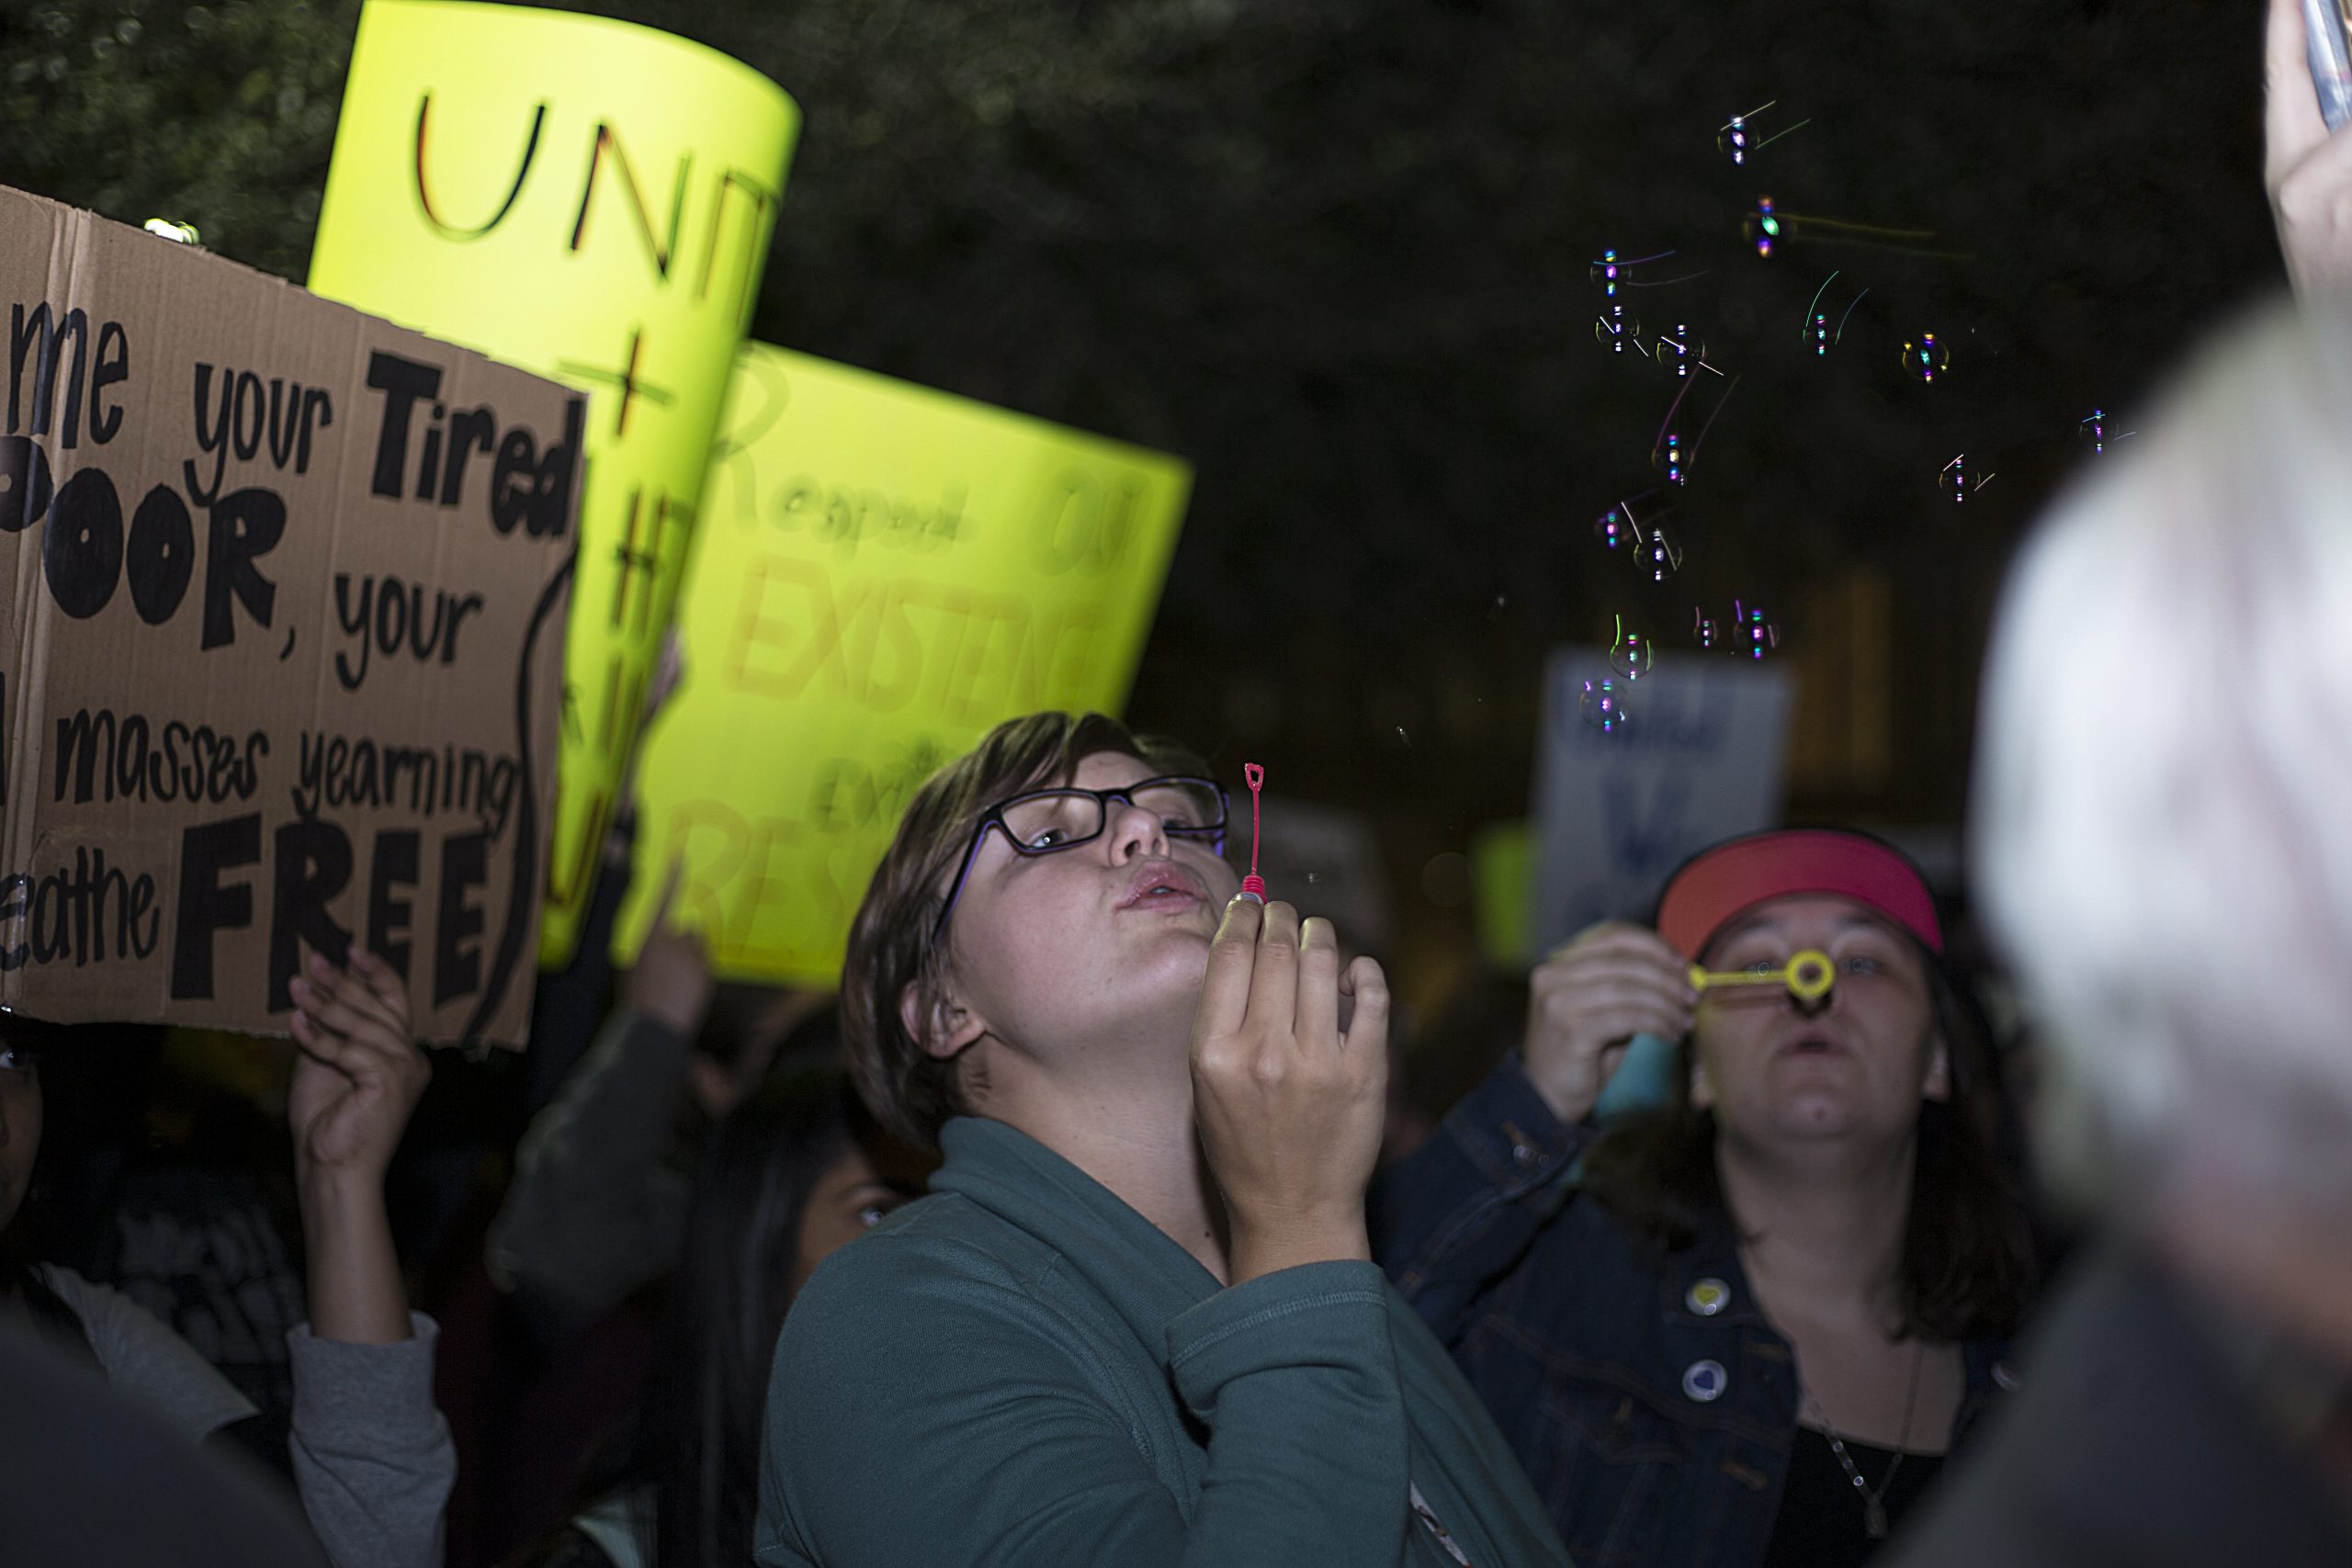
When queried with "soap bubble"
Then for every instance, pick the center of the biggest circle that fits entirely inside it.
(1752, 635)
(1959, 478)
(1616, 529)
(1673, 349)
(1629, 655)
(1660, 555)
(1603, 706)
(1613, 327)
(1737, 140)
(1702, 628)
(1669, 459)
(1925, 359)
(1762, 226)
(2092, 434)
(1734, 139)
(1608, 272)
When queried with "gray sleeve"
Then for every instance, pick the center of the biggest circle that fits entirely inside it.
(593, 1212)
(152, 1365)
(372, 1456)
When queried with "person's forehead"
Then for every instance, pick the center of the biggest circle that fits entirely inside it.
(1804, 911)
(1109, 770)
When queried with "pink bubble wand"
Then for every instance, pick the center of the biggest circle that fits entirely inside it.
(1254, 886)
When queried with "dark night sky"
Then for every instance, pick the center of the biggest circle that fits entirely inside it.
(1334, 251)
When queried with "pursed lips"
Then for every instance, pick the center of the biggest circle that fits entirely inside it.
(1163, 882)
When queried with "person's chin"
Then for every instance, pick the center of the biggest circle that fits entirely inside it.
(1818, 1110)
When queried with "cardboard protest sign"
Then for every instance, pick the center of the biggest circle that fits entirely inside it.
(883, 572)
(282, 589)
(591, 200)
(1615, 811)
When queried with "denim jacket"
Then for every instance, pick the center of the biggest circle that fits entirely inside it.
(1654, 1407)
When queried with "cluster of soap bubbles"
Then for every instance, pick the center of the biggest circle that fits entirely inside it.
(1622, 529)
(1632, 527)
(1747, 634)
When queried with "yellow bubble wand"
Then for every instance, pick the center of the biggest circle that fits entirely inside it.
(1807, 974)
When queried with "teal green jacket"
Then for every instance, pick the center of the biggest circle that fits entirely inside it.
(1021, 1369)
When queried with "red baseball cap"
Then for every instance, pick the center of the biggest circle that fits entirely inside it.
(1716, 886)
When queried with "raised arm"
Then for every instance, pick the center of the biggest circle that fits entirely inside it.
(372, 1456)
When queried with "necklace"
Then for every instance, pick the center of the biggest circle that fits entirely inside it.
(1874, 1501)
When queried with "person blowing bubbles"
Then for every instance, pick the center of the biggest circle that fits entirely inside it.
(1743, 1327)
(1136, 1323)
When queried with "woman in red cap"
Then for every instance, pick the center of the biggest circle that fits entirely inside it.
(1743, 1327)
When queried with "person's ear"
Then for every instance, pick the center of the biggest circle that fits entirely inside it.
(1937, 1085)
(944, 1030)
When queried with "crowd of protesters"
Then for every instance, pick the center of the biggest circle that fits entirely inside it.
(1090, 1224)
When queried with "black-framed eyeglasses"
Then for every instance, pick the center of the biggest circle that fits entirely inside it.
(1047, 821)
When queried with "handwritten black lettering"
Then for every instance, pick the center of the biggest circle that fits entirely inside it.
(129, 759)
(312, 862)
(89, 913)
(390, 615)
(337, 772)
(392, 872)
(448, 230)
(456, 931)
(206, 905)
(528, 487)
(43, 338)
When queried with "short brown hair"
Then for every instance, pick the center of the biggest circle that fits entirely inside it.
(911, 1093)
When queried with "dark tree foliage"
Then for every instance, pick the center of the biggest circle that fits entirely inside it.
(1335, 253)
